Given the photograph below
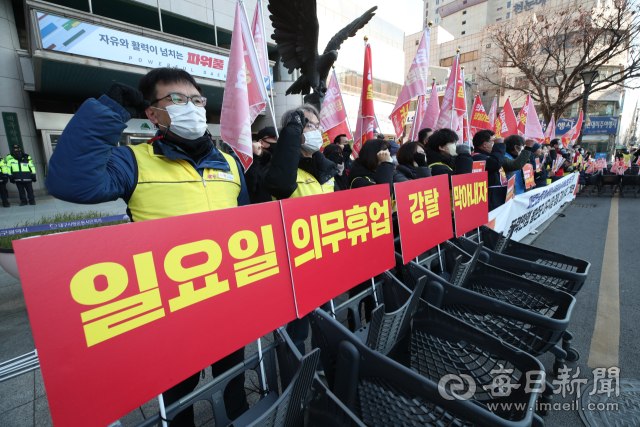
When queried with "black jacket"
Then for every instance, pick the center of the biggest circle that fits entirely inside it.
(253, 179)
(461, 164)
(493, 164)
(342, 181)
(408, 173)
(360, 177)
(280, 174)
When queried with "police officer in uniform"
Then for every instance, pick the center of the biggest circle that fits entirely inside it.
(22, 173)
(4, 178)
(175, 173)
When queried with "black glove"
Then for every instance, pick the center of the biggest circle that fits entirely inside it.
(298, 121)
(346, 149)
(130, 98)
(33, 178)
(420, 159)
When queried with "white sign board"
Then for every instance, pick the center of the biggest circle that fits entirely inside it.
(79, 38)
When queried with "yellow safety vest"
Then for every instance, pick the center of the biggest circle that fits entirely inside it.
(308, 185)
(168, 188)
(4, 169)
(627, 157)
(21, 170)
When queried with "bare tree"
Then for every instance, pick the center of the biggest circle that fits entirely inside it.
(544, 54)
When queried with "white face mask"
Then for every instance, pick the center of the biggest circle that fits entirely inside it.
(187, 121)
(340, 168)
(452, 149)
(312, 141)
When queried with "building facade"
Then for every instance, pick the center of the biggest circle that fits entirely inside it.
(56, 54)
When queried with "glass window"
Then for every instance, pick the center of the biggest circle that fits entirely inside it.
(508, 15)
(463, 33)
(436, 11)
(464, 12)
(508, 4)
(436, 20)
(464, 22)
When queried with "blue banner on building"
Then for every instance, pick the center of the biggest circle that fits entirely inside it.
(598, 126)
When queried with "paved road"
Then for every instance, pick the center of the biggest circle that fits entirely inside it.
(581, 233)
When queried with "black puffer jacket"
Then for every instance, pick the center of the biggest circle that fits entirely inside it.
(280, 174)
(359, 176)
(253, 179)
(458, 165)
(408, 173)
(493, 164)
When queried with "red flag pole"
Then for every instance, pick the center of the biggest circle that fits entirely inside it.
(457, 59)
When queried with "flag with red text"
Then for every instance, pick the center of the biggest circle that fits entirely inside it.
(366, 114)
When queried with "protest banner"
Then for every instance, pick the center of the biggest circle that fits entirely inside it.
(150, 305)
(337, 241)
(470, 201)
(333, 116)
(479, 166)
(538, 164)
(366, 115)
(528, 210)
(511, 188)
(424, 214)
(527, 171)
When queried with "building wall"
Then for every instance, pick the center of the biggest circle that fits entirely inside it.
(15, 99)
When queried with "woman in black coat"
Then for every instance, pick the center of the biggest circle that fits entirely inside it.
(373, 165)
(412, 163)
(334, 152)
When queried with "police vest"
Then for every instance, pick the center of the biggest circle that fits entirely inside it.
(21, 170)
(168, 188)
(4, 169)
(308, 185)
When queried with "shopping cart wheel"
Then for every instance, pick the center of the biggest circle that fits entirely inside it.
(557, 365)
(572, 355)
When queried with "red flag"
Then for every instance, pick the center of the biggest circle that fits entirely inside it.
(433, 109)
(257, 30)
(366, 113)
(506, 122)
(450, 115)
(415, 84)
(479, 118)
(399, 118)
(493, 113)
(576, 129)
(329, 135)
(245, 95)
(521, 120)
(551, 131)
(417, 119)
(333, 112)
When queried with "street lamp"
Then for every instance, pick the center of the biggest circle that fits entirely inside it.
(587, 77)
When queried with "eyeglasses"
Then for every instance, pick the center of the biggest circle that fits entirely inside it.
(312, 127)
(180, 99)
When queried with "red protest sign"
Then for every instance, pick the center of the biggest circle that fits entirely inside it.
(424, 214)
(470, 203)
(527, 171)
(337, 241)
(478, 166)
(511, 188)
(538, 164)
(146, 305)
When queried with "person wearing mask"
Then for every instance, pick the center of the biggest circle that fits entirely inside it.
(4, 171)
(373, 165)
(177, 172)
(343, 142)
(514, 145)
(540, 177)
(423, 135)
(393, 148)
(492, 153)
(412, 163)
(22, 173)
(268, 139)
(334, 153)
(446, 156)
(262, 149)
(298, 168)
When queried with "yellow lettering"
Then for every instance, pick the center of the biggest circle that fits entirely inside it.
(83, 289)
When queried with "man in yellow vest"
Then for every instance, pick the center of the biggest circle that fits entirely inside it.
(178, 172)
(299, 169)
(4, 175)
(22, 173)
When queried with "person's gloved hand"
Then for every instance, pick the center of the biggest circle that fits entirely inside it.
(33, 178)
(420, 159)
(298, 121)
(346, 149)
(463, 149)
(129, 98)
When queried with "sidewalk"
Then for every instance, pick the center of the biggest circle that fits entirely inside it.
(47, 205)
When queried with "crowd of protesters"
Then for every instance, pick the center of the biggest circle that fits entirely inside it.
(180, 171)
